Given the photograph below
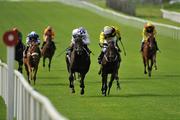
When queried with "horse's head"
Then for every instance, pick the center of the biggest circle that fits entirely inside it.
(34, 50)
(111, 52)
(78, 46)
(151, 40)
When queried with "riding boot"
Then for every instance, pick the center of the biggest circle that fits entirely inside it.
(142, 45)
(100, 57)
(43, 44)
(155, 42)
(25, 52)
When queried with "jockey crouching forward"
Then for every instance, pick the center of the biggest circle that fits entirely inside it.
(76, 34)
(109, 33)
(149, 29)
(31, 37)
(48, 34)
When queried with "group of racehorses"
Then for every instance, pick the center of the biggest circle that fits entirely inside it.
(79, 62)
(34, 53)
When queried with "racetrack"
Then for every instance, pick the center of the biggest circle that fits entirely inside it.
(141, 98)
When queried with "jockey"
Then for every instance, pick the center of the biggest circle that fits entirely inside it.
(19, 34)
(48, 32)
(31, 37)
(109, 33)
(148, 29)
(79, 33)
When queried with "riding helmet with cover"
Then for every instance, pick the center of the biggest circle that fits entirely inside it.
(34, 35)
(149, 27)
(109, 31)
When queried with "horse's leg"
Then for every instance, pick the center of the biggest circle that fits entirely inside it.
(34, 74)
(27, 71)
(110, 82)
(104, 84)
(117, 77)
(71, 82)
(154, 60)
(82, 83)
(49, 63)
(145, 63)
(43, 61)
(150, 67)
(20, 66)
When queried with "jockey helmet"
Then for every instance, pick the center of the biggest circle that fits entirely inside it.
(109, 31)
(148, 24)
(149, 27)
(49, 28)
(81, 31)
(75, 33)
(34, 35)
(15, 29)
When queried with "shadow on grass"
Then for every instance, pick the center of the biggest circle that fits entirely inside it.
(137, 95)
(52, 84)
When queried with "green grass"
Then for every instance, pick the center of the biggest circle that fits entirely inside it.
(140, 97)
(153, 13)
(2, 110)
(172, 7)
(147, 11)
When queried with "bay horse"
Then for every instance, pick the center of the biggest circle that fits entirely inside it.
(78, 61)
(32, 61)
(48, 51)
(110, 65)
(19, 48)
(149, 55)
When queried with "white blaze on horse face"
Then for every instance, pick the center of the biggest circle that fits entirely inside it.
(10, 37)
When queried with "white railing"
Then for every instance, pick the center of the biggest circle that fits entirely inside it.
(171, 15)
(28, 104)
(164, 29)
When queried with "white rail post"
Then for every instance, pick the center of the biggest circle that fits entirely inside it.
(10, 38)
(10, 63)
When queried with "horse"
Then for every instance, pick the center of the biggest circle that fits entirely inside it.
(149, 55)
(31, 62)
(48, 51)
(110, 65)
(78, 62)
(19, 48)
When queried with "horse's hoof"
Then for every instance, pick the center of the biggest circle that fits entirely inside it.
(145, 72)
(72, 90)
(103, 93)
(82, 92)
(155, 68)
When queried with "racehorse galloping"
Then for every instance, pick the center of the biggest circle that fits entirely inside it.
(149, 55)
(110, 65)
(19, 48)
(32, 61)
(78, 61)
(48, 51)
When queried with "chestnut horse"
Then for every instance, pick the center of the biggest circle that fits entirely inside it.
(19, 48)
(78, 61)
(48, 51)
(110, 65)
(149, 55)
(32, 61)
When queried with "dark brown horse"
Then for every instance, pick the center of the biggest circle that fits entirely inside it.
(149, 55)
(110, 65)
(19, 48)
(48, 51)
(32, 61)
(78, 61)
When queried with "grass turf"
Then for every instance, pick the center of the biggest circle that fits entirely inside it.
(141, 98)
